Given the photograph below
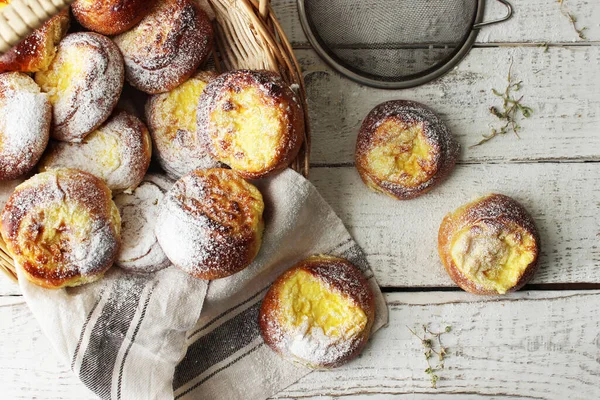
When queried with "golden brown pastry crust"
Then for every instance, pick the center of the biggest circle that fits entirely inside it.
(110, 17)
(167, 46)
(62, 228)
(494, 210)
(25, 115)
(84, 83)
(339, 276)
(224, 110)
(172, 122)
(118, 152)
(210, 223)
(36, 51)
(379, 129)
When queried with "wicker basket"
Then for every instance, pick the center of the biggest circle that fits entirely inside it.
(248, 36)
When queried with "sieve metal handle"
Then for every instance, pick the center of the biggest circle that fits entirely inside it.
(509, 14)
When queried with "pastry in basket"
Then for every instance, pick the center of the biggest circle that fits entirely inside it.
(62, 228)
(140, 251)
(489, 246)
(404, 149)
(36, 51)
(318, 313)
(25, 115)
(211, 222)
(110, 17)
(172, 122)
(167, 46)
(251, 121)
(84, 83)
(118, 151)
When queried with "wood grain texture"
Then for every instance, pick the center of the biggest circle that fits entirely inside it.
(534, 21)
(541, 345)
(400, 237)
(561, 86)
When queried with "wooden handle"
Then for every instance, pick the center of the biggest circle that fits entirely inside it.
(21, 17)
(263, 8)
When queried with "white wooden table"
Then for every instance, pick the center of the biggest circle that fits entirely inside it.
(543, 342)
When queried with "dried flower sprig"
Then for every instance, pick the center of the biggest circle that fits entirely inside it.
(428, 340)
(511, 108)
(572, 19)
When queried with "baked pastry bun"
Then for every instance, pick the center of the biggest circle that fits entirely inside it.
(25, 115)
(404, 149)
(167, 46)
(110, 17)
(489, 246)
(140, 251)
(83, 82)
(118, 152)
(36, 51)
(211, 222)
(251, 121)
(319, 313)
(172, 122)
(62, 228)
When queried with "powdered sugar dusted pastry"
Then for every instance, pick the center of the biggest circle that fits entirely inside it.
(489, 246)
(6, 190)
(210, 223)
(404, 149)
(318, 313)
(140, 251)
(251, 121)
(83, 83)
(119, 152)
(62, 228)
(172, 122)
(36, 51)
(110, 17)
(167, 46)
(25, 115)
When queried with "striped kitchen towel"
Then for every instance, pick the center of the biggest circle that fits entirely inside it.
(167, 335)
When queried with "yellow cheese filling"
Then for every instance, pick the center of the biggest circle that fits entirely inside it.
(400, 154)
(68, 68)
(308, 302)
(493, 257)
(249, 131)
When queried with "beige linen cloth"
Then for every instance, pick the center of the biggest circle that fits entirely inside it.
(167, 335)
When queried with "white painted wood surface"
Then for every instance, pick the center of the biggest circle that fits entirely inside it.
(537, 344)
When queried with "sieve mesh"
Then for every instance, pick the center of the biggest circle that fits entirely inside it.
(390, 40)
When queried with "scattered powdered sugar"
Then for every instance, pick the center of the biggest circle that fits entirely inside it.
(167, 46)
(140, 251)
(24, 124)
(93, 92)
(118, 152)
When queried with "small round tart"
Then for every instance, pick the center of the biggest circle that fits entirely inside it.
(110, 17)
(404, 149)
(210, 223)
(251, 121)
(36, 51)
(62, 228)
(25, 115)
(489, 246)
(84, 83)
(140, 251)
(167, 46)
(118, 152)
(172, 122)
(319, 313)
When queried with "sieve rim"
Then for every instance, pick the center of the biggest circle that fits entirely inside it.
(364, 78)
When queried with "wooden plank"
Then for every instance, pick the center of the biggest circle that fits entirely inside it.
(565, 99)
(550, 25)
(526, 345)
(535, 345)
(400, 237)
